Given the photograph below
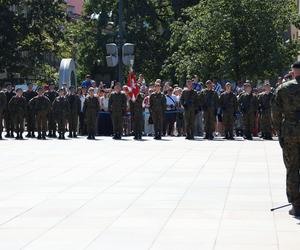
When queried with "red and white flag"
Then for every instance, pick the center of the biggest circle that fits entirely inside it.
(132, 84)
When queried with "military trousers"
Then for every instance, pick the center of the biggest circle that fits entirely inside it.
(209, 121)
(248, 124)
(291, 157)
(90, 120)
(228, 123)
(41, 121)
(8, 121)
(1, 121)
(73, 122)
(266, 123)
(138, 123)
(61, 123)
(117, 121)
(30, 120)
(158, 121)
(51, 122)
(189, 119)
(18, 121)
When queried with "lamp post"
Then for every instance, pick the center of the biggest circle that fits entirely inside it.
(120, 41)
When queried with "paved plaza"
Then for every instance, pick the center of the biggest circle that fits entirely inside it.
(160, 195)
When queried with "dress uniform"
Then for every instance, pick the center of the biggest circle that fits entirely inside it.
(40, 106)
(3, 105)
(8, 121)
(17, 107)
(51, 94)
(30, 117)
(136, 109)
(75, 108)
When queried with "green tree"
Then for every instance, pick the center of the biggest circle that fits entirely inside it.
(233, 39)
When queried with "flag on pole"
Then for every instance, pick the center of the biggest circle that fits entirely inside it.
(132, 84)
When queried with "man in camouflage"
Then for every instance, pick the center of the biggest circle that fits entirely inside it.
(189, 100)
(75, 107)
(90, 109)
(117, 105)
(30, 117)
(157, 108)
(248, 106)
(17, 107)
(136, 109)
(51, 94)
(3, 105)
(286, 121)
(228, 105)
(209, 100)
(61, 110)
(264, 106)
(40, 106)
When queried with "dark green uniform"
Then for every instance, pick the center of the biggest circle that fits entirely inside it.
(30, 117)
(17, 106)
(51, 119)
(61, 110)
(117, 106)
(3, 105)
(228, 105)
(157, 109)
(209, 101)
(8, 120)
(136, 109)
(264, 107)
(248, 107)
(75, 107)
(189, 100)
(40, 106)
(90, 110)
(286, 121)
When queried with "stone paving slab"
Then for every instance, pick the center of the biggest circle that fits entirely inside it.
(118, 195)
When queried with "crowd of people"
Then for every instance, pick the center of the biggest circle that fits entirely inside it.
(158, 109)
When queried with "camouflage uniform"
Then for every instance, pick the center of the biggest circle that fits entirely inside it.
(40, 106)
(209, 101)
(189, 100)
(136, 109)
(264, 104)
(117, 105)
(286, 121)
(3, 105)
(90, 111)
(17, 106)
(248, 106)
(8, 120)
(51, 119)
(157, 109)
(228, 105)
(75, 107)
(30, 117)
(61, 110)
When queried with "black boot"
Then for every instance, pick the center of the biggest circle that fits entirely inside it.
(50, 134)
(21, 136)
(18, 137)
(89, 137)
(39, 136)
(54, 134)
(0, 135)
(70, 135)
(32, 134)
(74, 135)
(44, 136)
(63, 136)
(7, 135)
(28, 135)
(60, 136)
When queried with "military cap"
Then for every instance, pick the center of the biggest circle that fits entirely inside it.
(296, 65)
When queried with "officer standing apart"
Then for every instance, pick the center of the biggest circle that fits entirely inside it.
(248, 106)
(30, 117)
(3, 105)
(286, 120)
(40, 106)
(209, 101)
(265, 100)
(8, 120)
(117, 105)
(189, 100)
(61, 110)
(157, 109)
(75, 108)
(136, 109)
(51, 94)
(90, 111)
(228, 105)
(17, 107)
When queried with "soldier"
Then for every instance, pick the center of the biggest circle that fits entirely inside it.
(17, 106)
(264, 105)
(90, 111)
(51, 94)
(75, 108)
(40, 106)
(136, 109)
(157, 108)
(286, 121)
(61, 110)
(29, 94)
(9, 125)
(3, 105)
(189, 100)
(209, 101)
(248, 106)
(228, 105)
(117, 106)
